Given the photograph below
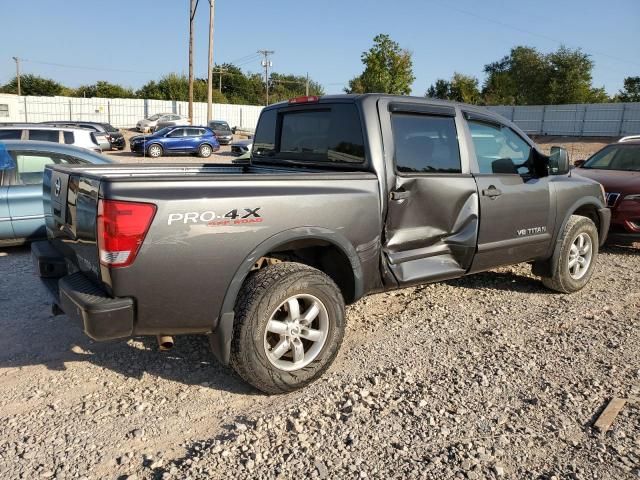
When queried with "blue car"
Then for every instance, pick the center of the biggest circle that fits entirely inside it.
(176, 139)
(21, 166)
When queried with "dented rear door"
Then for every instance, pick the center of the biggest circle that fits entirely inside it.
(432, 214)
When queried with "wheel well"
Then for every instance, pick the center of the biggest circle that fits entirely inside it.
(319, 254)
(591, 212)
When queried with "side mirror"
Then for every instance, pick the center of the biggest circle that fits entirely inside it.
(578, 163)
(558, 161)
(233, 130)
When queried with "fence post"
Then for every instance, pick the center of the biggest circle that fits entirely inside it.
(146, 108)
(620, 129)
(544, 114)
(70, 112)
(26, 118)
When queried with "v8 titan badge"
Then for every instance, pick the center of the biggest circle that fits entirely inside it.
(211, 219)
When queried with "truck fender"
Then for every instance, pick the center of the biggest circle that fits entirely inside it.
(541, 268)
(220, 337)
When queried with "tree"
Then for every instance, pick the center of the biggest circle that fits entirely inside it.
(461, 88)
(103, 89)
(283, 87)
(176, 87)
(388, 69)
(631, 91)
(33, 85)
(570, 77)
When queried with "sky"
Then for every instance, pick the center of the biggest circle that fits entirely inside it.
(132, 41)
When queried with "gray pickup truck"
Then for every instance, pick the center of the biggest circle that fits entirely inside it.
(343, 196)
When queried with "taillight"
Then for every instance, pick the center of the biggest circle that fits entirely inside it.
(122, 227)
(305, 99)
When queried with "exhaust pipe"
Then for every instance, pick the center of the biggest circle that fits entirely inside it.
(165, 342)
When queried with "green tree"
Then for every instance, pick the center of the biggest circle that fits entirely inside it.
(461, 88)
(388, 69)
(34, 85)
(631, 90)
(176, 87)
(103, 89)
(283, 87)
(441, 89)
(570, 77)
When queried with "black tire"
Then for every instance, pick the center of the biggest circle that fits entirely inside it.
(261, 295)
(153, 148)
(205, 150)
(561, 279)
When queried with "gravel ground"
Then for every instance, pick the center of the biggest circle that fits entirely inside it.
(489, 376)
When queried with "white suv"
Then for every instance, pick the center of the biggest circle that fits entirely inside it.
(78, 137)
(166, 119)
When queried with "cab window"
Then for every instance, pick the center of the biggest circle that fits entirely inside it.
(500, 150)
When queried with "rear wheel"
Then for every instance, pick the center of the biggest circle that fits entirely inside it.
(205, 150)
(155, 151)
(574, 259)
(288, 327)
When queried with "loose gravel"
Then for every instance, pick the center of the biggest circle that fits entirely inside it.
(485, 377)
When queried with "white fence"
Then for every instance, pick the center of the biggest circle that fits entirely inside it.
(119, 112)
(583, 120)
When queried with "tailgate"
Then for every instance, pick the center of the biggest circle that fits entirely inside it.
(71, 207)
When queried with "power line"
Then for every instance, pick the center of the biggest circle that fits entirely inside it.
(63, 65)
(529, 32)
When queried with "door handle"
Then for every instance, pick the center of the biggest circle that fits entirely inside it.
(491, 192)
(400, 195)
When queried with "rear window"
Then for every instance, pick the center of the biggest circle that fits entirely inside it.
(109, 128)
(44, 135)
(616, 157)
(318, 134)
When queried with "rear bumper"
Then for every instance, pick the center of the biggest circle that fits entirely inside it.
(102, 316)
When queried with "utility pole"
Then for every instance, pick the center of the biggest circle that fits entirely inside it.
(193, 5)
(212, 4)
(17, 60)
(266, 64)
(307, 85)
(220, 71)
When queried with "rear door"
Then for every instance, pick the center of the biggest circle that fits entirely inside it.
(7, 171)
(516, 217)
(193, 138)
(432, 216)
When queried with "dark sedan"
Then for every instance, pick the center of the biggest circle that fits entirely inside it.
(172, 140)
(21, 167)
(222, 130)
(617, 168)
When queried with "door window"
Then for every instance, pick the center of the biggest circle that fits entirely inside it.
(193, 132)
(10, 134)
(45, 135)
(425, 144)
(177, 133)
(30, 166)
(500, 150)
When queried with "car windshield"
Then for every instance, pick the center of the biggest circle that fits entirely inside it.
(154, 117)
(109, 128)
(616, 157)
(162, 131)
(219, 125)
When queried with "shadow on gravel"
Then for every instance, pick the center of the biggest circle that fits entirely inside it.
(507, 281)
(32, 336)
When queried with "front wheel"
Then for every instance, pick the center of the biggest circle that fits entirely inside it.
(155, 151)
(575, 255)
(289, 325)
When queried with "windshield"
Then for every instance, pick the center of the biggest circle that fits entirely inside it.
(109, 128)
(162, 131)
(616, 157)
(154, 117)
(219, 126)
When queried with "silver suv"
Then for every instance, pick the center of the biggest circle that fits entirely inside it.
(79, 137)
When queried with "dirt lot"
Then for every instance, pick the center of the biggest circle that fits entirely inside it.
(485, 377)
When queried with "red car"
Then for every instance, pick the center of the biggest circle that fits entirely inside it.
(617, 168)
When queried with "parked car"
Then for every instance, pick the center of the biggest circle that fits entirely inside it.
(222, 130)
(173, 121)
(629, 138)
(150, 124)
(345, 196)
(617, 168)
(21, 167)
(172, 140)
(114, 138)
(78, 137)
(240, 147)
